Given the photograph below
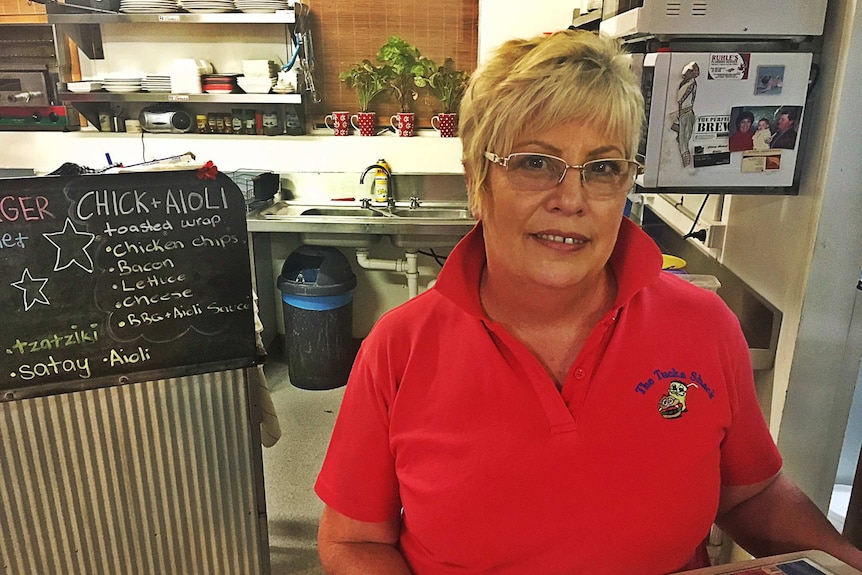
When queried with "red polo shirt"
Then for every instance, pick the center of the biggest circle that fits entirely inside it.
(450, 421)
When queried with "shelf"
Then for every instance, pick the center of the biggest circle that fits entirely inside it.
(159, 97)
(588, 21)
(173, 18)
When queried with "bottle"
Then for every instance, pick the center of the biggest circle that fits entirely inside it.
(270, 123)
(381, 182)
(104, 120)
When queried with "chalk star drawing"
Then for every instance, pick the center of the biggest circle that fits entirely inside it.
(73, 244)
(28, 284)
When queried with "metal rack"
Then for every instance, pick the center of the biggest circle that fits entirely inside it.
(84, 27)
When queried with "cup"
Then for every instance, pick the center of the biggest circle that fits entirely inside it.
(445, 124)
(402, 123)
(340, 125)
(366, 121)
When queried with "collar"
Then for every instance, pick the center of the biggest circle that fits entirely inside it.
(636, 262)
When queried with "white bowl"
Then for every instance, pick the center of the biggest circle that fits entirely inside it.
(83, 87)
(255, 85)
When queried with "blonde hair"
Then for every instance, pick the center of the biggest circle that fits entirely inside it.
(531, 85)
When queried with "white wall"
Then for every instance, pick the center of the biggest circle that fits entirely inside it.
(825, 360)
(500, 20)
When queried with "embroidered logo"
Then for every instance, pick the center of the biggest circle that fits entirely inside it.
(672, 404)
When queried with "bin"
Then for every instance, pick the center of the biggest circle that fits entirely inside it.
(316, 285)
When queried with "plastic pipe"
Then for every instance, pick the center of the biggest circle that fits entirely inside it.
(377, 264)
(410, 266)
(412, 273)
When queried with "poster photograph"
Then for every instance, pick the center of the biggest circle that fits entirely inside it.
(770, 80)
(763, 127)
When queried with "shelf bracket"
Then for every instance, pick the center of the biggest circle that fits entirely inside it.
(88, 37)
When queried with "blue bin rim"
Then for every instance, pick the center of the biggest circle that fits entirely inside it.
(311, 288)
(317, 303)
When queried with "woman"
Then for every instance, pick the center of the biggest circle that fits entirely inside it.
(556, 403)
(743, 138)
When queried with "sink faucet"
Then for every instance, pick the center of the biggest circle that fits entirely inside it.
(390, 200)
(365, 203)
(374, 167)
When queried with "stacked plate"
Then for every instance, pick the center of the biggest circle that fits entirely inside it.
(219, 83)
(148, 6)
(156, 83)
(261, 6)
(123, 82)
(207, 6)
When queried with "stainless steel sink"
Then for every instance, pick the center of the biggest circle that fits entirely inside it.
(341, 212)
(429, 225)
(436, 213)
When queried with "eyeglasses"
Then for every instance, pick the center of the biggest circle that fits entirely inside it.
(604, 178)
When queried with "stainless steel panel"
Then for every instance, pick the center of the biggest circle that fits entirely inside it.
(24, 89)
(149, 478)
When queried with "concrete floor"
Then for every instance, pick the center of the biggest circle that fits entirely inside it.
(290, 468)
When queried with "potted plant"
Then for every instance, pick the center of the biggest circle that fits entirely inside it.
(403, 63)
(447, 84)
(368, 80)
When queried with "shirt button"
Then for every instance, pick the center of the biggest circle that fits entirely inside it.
(579, 373)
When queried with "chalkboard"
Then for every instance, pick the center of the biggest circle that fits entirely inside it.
(110, 279)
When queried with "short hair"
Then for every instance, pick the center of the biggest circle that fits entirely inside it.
(743, 115)
(534, 84)
(792, 113)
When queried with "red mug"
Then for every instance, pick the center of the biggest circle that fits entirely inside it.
(445, 124)
(340, 125)
(402, 123)
(365, 121)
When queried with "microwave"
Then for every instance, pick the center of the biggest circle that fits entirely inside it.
(760, 19)
(722, 119)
